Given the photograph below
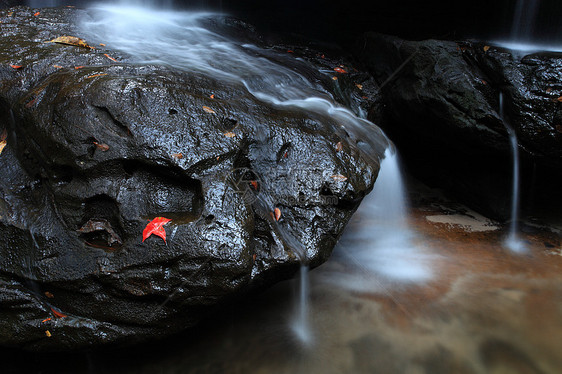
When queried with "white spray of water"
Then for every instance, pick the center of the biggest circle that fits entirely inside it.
(378, 243)
(513, 241)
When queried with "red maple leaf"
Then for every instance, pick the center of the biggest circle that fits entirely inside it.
(156, 227)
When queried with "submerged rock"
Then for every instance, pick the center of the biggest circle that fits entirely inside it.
(440, 104)
(97, 147)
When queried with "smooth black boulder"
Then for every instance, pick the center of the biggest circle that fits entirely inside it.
(441, 105)
(95, 148)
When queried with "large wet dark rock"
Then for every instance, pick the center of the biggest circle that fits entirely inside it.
(94, 152)
(441, 105)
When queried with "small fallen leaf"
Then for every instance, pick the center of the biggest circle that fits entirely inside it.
(16, 66)
(46, 320)
(155, 227)
(322, 56)
(218, 157)
(48, 333)
(254, 185)
(483, 82)
(71, 40)
(364, 97)
(360, 86)
(486, 48)
(290, 51)
(286, 154)
(102, 147)
(179, 156)
(78, 67)
(49, 295)
(277, 212)
(208, 110)
(36, 14)
(339, 177)
(57, 66)
(339, 146)
(340, 70)
(335, 78)
(212, 96)
(109, 57)
(58, 314)
(254, 256)
(559, 99)
(95, 75)
(229, 134)
(3, 141)
(103, 45)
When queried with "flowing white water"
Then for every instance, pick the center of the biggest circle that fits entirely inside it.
(184, 40)
(300, 321)
(378, 245)
(522, 40)
(513, 241)
(524, 19)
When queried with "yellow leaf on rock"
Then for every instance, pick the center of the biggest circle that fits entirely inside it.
(3, 141)
(71, 40)
(48, 333)
(229, 134)
(486, 47)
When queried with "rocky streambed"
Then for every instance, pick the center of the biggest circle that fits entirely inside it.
(96, 143)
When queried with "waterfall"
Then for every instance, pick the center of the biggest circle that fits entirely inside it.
(522, 36)
(524, 20)
(300, 321)
(512, 241)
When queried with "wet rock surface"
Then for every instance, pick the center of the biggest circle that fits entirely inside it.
(483, 310)
(440, 103)
(97, 146)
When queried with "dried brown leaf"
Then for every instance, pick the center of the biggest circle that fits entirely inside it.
(71, 40)
(229, 134)
(339, 177)
(96, 75)
(208, 110)
(277, 213)
(101, 146)
(109, 57)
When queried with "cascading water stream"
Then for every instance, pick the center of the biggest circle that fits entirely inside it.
(378, 244)
(513, 241)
